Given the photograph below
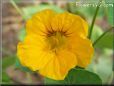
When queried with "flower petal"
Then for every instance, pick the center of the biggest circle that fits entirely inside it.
(40, 22)
(60, 65)
(82, 47)
(34, 53)
(70, 23)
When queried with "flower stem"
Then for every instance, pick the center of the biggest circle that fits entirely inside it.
(94, 18)
(17, 8)
(102, 36)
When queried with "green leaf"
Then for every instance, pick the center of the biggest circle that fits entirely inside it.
(77, 76)
(106, 41)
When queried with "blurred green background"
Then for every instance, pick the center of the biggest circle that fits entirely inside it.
(14, 15)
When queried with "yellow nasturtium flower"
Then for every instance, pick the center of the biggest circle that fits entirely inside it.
(55, 43)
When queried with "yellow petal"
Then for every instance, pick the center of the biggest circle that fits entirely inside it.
(40, 22)
(59, 66)
(70, 23)
(82, 47)
(33, 53)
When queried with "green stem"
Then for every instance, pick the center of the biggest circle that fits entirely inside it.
(102, 36)
(17, 8)
(94, 18)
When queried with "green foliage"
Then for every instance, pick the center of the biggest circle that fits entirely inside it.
(86, 12)
(29, 11)
(6, 62)
(77, 76)
(106, 41)
(110, 15)
(5, 77)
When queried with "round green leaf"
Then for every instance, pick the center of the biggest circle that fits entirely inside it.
(81, 76)
(77, 76)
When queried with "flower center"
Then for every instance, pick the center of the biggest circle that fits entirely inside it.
(56, 40)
